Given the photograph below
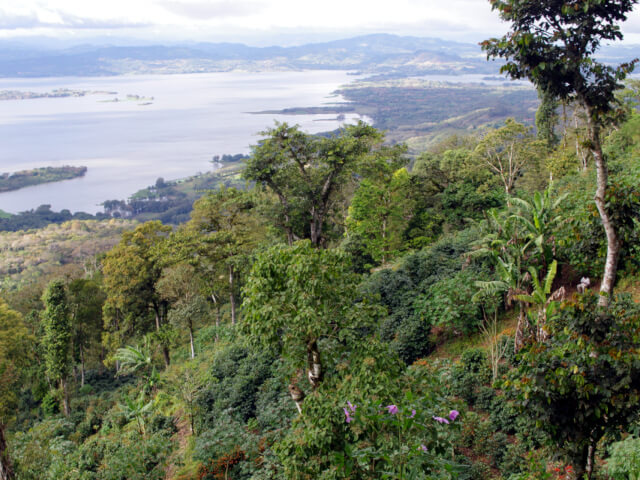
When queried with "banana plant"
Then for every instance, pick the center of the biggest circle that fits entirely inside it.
(539, 219)
(137, 409)
(138, 360)
(542, 299)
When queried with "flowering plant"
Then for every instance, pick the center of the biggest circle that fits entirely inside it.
(407, 439)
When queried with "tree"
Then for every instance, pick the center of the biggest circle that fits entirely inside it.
(86, 299)
(583, 381)
(553, 43)
(57, 337)
(299, 300)
(229, 229)
(508, 151)
(379, 214)
(309, 173)
(131, 270)
(14, 345)
(547, 118)
(180, 285)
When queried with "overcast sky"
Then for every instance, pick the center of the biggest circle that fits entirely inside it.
(257, 22)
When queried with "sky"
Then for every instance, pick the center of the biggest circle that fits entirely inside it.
(255, 22)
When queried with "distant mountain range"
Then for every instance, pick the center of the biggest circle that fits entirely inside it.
(381, 54)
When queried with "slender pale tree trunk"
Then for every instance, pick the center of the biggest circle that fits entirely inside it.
(81, 366)
(165, 349)
(315, 372)
(232, 297)
(297, 396)
(6, 471)
(591, 456)
(193, 350)
(65, 397)
(613, 242)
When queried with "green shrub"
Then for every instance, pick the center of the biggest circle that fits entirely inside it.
(624, 460)
(479, 471)
(469, 374)
(513, 461)
(50, 404)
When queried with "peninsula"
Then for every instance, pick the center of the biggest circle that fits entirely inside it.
(36, 176)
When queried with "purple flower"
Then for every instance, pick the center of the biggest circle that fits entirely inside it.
(423, 448)
(441, 420)
(392, 409)
(413, 413)
(346, 413)
(453, 414)
(352, 407)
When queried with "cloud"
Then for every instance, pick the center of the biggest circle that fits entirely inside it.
(73, 21)
(207, 10)
(10, 21)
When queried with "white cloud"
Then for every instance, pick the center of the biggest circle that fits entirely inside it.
(240, 20)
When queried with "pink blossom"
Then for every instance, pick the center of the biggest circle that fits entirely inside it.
(423, 448)
(392, 409)
(441, 420)
(453, 414)
(352, 407)
(413, 413)
(346, 413)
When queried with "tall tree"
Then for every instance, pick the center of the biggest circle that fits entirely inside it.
(14, 345)
(553, 43)
(131, 270)
(86, 299)
(303, 301)
(180, 285)
(57, 338)
(508, 151)
(230, 228)
(379, 213)
(309, 173)
(547, 118)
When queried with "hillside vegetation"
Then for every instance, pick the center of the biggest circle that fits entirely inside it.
(354, 313)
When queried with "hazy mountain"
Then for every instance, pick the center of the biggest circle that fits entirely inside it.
(379, 53)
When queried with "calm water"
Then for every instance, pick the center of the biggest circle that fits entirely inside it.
(127, 146)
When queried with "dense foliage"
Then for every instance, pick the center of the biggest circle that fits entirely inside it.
(354, 314)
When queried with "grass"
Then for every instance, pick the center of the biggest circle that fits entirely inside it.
(453, 349)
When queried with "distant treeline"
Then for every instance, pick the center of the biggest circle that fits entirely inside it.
(226, 158)
(36, 176)
(43, 216)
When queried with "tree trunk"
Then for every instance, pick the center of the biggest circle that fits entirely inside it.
(590, 460)
(520, 329)
(6, 471)
(193, 351)
(165, 349)
(232, 297)
(65, 397)
(167, 357)
(613, 243)
(315, 372)
(297, 396)
(81, 366)
(385, 247)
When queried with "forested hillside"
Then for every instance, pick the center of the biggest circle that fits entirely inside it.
(354, 313)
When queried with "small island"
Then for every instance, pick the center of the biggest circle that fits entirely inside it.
(36, 176)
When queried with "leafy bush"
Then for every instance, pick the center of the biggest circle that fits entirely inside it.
(237, 375)
(624, 460)
(587, 366)
(448, 304)
(469, 374)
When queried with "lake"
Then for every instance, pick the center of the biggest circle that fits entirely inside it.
(128, 144)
